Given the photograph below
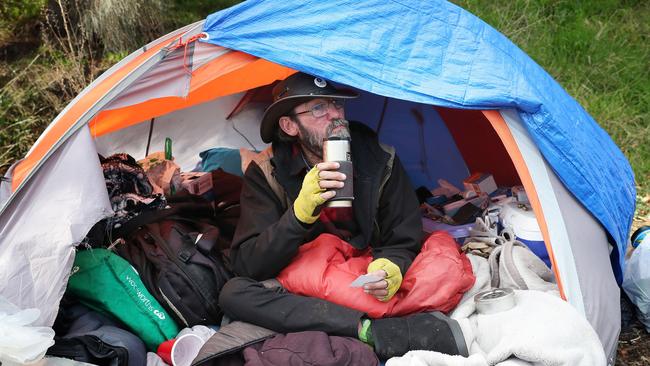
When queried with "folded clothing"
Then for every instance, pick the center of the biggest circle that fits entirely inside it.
(88, 336)
(436, 280)
(310, 348)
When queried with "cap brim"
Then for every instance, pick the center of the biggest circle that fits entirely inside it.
(283, 106)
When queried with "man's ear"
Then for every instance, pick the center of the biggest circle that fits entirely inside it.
(288, 125)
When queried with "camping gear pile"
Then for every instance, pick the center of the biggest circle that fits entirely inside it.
(484, 212)
(496, 314)
(452, 94)
(156, 266)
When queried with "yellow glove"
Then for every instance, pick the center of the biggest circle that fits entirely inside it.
(309, 199)
(393, 275)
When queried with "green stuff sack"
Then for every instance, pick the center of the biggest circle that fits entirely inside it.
(107, 283)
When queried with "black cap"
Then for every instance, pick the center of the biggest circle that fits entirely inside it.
(297, 89)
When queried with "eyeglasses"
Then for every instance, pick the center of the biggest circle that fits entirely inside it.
(320, 109)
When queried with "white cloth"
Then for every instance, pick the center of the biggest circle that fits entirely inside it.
(541, 329)
(154, 360)
(428, 358)
(21, 342)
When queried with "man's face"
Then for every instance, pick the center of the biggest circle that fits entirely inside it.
(313, 130)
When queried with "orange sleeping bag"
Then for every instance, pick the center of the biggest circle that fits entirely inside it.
(436, 280)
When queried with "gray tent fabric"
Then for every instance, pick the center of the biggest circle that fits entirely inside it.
(38, 233)
(588, 240)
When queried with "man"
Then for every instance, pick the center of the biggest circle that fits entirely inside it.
(282, 207)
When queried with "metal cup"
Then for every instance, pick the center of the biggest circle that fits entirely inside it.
(338, 149)
(495, 300)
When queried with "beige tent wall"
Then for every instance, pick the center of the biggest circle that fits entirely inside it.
(192, 130)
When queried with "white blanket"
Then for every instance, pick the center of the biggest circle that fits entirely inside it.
(541, 329)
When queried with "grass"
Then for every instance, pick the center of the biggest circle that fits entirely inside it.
(599, 51)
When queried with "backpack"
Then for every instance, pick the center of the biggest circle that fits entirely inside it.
(177, 252)
(180, 263)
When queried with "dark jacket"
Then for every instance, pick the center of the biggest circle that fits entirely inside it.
(268, 235)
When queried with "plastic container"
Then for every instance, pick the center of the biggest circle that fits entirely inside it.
(495, 300)
(180, 351)
(521, 219)
(458, 232)
(636, 279)
(641, 235)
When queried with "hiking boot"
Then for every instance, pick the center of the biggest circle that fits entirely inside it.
(426, 331)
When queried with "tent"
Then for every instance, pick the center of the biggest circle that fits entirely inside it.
(450, 92)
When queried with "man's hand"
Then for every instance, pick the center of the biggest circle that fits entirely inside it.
(317, 187)
(377, 289)
(385, 289)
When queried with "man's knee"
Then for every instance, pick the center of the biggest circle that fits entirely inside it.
(233, 290)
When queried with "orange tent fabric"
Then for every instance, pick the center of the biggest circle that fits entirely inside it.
(232, 73)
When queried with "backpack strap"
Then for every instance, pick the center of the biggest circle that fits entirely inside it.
(263, 160)
(190, 211)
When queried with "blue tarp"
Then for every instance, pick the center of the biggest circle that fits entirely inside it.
(436, 53)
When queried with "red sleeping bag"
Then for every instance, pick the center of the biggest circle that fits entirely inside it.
(436, 280)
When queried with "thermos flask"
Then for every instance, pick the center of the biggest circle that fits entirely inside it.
(338, 149)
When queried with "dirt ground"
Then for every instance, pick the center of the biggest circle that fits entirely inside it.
(634, 347)
(634, 341)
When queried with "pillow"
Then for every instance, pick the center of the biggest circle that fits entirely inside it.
(221, 157)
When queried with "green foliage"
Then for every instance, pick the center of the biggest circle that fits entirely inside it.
(188, 11)
(76, 40)
(17, 17)
(20, 11)
(114, 57)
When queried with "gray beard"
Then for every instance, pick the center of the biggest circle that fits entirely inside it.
(314, 142)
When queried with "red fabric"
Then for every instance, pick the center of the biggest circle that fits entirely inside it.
(436, 280)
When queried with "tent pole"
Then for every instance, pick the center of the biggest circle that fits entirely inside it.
(146, 152)
(381, 117)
